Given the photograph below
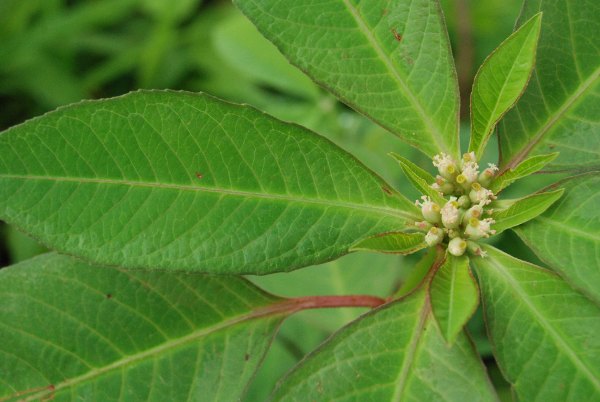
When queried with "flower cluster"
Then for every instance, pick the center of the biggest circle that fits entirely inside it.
(460, 221)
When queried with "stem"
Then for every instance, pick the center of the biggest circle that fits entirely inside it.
(291, 306)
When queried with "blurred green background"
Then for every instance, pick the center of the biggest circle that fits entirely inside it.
(56, 52)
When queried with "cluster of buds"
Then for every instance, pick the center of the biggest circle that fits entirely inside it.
(460, 221)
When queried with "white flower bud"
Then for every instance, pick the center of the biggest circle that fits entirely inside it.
(477, 229)
(470, 171)
(486, 177)
(442, 185)
(479, 194)
(429, 209)
(464, 202)
(474, 212)
(446, 166)
(434, 236)
(457, 246)
(423, 225)
(451, 214)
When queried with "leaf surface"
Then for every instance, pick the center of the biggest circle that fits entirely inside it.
(501, 80)
(389, 60)
(71, 331)
(567, 235)
(392, 243)
(523, 169)
(545, 334)
(185, 181)
(524, 209)
(454, 296)
(392, 353)
(560, 110)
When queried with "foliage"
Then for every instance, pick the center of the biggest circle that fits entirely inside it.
(158, 201)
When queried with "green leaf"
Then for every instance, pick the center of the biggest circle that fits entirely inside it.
(392, 243)
(501, 80)
(391, 61)
(524, 209)
(185, 181)
(392, 353)
(566, 236)
(545, 335)
(524, 169)
(454, 296)
(559, 111)
(420, 179)
(71, 331)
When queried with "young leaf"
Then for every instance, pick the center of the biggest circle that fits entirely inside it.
(566, 236)
(501, 80)
(420, 179)
(545, 334)
(524, 209)
(185, 181)
(392, 243)
(71, 331)
(559, 111)
(390, 61)
(454, 296)
(392, 353)
(524, 169)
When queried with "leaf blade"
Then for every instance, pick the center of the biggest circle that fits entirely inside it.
(524, 209)
(371, 57)
(559, 110)
(513, 60)
(566, 235)
(392, 243)
(106, 179)
(394, 360)
(560, 324)
(420, 179)
(523, 169)
(94, 322)
(454, 296)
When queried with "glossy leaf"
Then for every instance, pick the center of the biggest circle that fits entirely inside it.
(71, 331)
(524, 209)
(501, 80)
(545, 334)
(420, 179)
(185, 181)
(524, 169)
(567, 235)
(392, 353)
(559, 111)
(454, 296)
(392, 243)
(390, 61)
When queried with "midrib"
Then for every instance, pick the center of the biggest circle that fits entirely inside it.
(218, 190)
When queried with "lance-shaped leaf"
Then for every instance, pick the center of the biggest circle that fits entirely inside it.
(393, 353)
(559, 111)
(524, 169)
(544, 333)
(454, 296)
(567, 235)
(501, 80)
(389, 60)
(185, 181)
(524, 209)
(71, 331)
(392, 243)
(420, 179)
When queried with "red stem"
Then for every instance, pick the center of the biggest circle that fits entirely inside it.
(310, 302)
